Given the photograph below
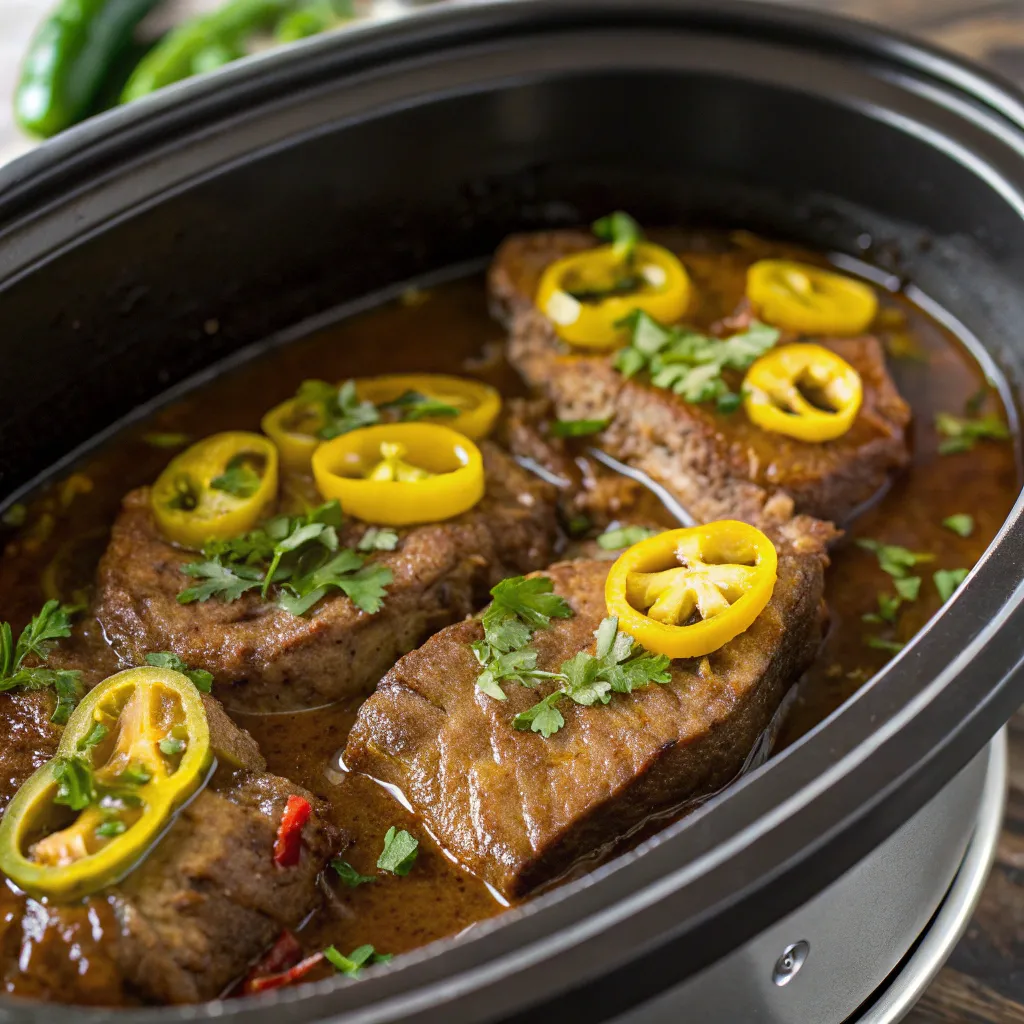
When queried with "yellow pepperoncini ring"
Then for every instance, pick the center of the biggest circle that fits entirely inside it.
(804, 391)
(132, 752)
(218, 488)
(587, 295)
(809, 300)
(466, 405)
(398, 474)
(686, 593)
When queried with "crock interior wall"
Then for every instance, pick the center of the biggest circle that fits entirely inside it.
(115, 319)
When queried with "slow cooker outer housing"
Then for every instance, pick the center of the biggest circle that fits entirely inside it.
(142, 250)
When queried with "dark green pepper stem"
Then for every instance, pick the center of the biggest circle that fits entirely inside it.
(69, 59)
(187, 49)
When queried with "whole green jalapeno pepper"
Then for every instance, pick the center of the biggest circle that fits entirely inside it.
(69, 60)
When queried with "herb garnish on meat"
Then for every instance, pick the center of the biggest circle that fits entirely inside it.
(52, 623)
(201, 679)
(399, 853)
(689, 363)
(300, 555)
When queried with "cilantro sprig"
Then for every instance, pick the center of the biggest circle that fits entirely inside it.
(37, 639)
(299, 555)
(618, 665)
(201, 679)
(691, 364)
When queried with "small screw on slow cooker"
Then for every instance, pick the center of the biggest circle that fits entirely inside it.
(792, 959)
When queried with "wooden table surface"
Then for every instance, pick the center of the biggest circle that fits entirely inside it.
(983, 982)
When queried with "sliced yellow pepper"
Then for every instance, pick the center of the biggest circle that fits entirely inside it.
(804, 391)
(221, 487)
(810, 300)
(139, 746)
(586, 296)
(466, 405)
(686, 593)
(375, 473)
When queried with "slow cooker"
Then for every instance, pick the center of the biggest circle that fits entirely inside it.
(830, 883)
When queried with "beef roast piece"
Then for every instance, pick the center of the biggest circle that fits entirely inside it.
(194, 914)
(520, 810)
(30, 738)
(718, 465)
(263, 657)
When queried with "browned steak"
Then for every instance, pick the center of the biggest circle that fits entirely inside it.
(717, 464)
(199, 909)
(264, 657)
(519, 810)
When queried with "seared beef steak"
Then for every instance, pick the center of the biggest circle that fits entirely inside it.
(717, 464)
(519, 810)
(205, 902)
(265, 658)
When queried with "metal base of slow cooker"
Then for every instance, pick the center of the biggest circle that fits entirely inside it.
(865, 948)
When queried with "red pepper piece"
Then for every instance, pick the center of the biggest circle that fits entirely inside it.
(284, 953)
(289, 977)
(289, 833)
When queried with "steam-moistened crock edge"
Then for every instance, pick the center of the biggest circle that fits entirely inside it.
(706, 884)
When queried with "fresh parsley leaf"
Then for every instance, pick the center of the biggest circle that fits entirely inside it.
(577, 428)
(339, 409)
(399, 853)
(53, 623)
(589, 679)
(171, 745)
(908, 587)
(947, 580)
(67, 684)
(363, 584)
(378, 538)
(348, 874)
(622, 231)
(227, 584)
(892, 559)
(543, 717)
(620, 537)
(201, 679)
(239, 477)
(135, 775)
(961, 524)
(95, 736)
(110, 829)
(689, 363)
(358, 958)
(76, 787)
(412, 406)
(532, 599)
(881, 644)
(960, 434)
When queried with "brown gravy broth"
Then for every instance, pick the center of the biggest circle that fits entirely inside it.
(447, 329)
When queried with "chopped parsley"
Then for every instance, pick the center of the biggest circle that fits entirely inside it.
(201, 679)
(691, 364)
(378, 538)
(961, 524)
(300, 555)
(908, 587)
(37, 639)
(577, 428)
(94, 737)
(619, 665)
(171, 745)
(520, 605)
(881, 644)
(239, 478)
(76, 785)
(947, 580)
(358, 958)
(413, 406)
(622, 231)
(961, 435)
(110, 829)
(348, 874)
(339, 408)
(895, 560)
(619, 537)
(399, 853)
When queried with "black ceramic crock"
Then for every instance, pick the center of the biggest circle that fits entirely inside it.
(270, 193)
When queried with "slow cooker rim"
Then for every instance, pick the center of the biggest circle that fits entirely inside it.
(125, 120)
